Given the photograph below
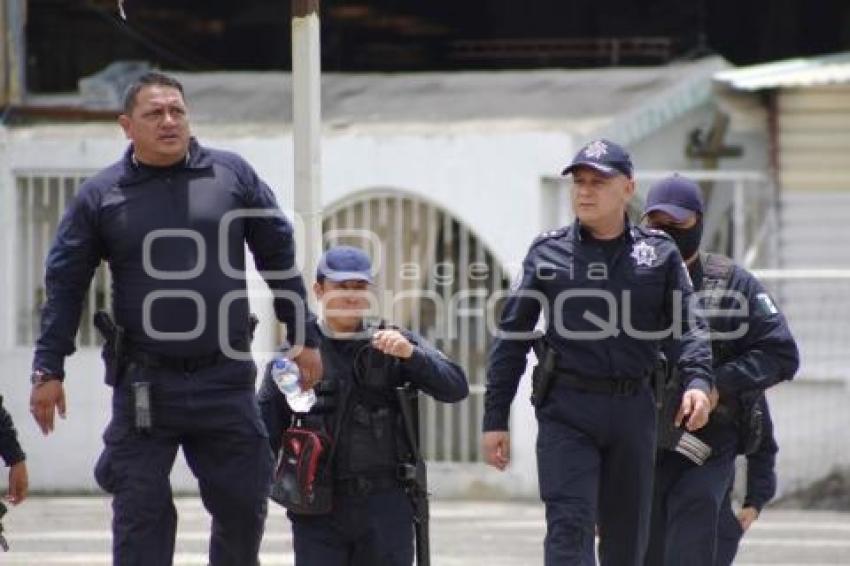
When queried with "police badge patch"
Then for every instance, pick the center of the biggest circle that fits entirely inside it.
(644, 254)
(595, 150)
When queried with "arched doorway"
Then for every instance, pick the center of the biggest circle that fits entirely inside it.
(434, 276)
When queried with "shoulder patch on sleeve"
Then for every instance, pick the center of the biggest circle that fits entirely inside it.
(765, 305)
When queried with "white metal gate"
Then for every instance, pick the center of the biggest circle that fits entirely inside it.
(434, 277)
(41, 199)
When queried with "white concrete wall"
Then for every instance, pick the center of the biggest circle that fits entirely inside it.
(811, 423)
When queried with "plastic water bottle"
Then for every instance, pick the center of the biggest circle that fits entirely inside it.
(286, 375)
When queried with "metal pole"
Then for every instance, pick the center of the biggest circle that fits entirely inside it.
(738, 220)
(307, 130)
(4, 55)
(12, 46)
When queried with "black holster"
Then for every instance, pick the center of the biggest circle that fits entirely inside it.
(113, 352)
(544, 372)
(668, 398)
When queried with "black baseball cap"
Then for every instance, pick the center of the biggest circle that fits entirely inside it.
(677, 196)
(344, 263)
(604, 156)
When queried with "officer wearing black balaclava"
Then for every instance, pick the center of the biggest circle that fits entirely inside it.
(752, 349)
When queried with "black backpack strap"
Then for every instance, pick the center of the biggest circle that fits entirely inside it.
(717, 273)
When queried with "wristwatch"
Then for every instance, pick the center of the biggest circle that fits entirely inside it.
(40, 377)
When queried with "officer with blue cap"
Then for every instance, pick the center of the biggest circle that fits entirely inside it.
(753, 349)
(606, 289)
(371, 519)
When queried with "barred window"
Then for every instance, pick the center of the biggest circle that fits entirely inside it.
(42, 198)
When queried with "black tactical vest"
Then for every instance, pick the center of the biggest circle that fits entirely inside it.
(365, 423)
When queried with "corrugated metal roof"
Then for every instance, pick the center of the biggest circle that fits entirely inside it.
(809, 71)
(572, 100)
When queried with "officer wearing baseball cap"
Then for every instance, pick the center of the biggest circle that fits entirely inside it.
(371, 521)
(344, 263)
(750, 354)
(604, 286)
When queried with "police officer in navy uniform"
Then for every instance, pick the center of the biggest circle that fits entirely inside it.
(371, 520)
(761, 487)
(608, 291)
(752, 350)
(172, 218)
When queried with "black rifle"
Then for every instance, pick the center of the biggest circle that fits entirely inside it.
(414, 476)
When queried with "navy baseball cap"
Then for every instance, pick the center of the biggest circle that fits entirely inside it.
(604, 156)
(344, 263)
(677, 196)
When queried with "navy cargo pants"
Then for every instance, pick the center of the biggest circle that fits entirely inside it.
(595, 458)
(213, 415)
(687, 503)
(729, 533)
(374, 529)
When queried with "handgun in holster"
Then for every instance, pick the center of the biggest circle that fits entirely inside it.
(114, 358)
(113, 346)
(668, 391)
(544, 372)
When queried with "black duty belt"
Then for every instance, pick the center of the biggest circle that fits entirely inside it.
(366, 484)
(603, 385)
(177, 363)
